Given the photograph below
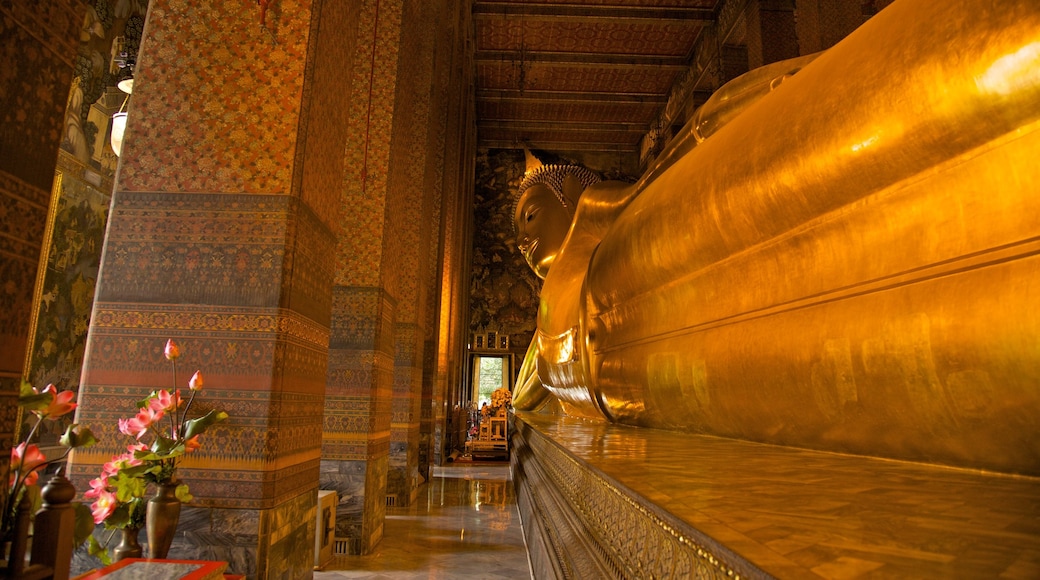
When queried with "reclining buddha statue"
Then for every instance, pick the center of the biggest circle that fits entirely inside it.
(840, 252)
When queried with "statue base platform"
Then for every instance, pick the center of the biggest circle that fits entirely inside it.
(610, 501)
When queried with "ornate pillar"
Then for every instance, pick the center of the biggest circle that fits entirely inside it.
(433, 187)
(360, 380)
(38, 43)
(822, 23)
(733, 62)
(372, 424)
(222, 236)
(456, 224)
(770, 31)
(407, 175)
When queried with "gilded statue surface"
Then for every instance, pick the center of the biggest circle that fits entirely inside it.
(838, 252)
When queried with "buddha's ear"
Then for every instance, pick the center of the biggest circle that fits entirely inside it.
(572, 190)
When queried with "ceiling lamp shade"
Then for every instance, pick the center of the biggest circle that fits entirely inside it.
(118, 128)
(119, 119)
(126, 85)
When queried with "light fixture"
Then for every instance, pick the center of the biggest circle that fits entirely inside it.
(118, 128)
(126, 84)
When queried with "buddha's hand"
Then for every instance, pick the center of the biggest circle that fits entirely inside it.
(529, 394)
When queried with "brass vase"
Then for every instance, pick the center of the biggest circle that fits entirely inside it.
(162, 515)
(128, 546)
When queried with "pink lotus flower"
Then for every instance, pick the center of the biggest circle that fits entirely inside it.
(97, 486)
(134, 448)
(26, 459)
(61, 403)
(109, 469)
(138, 425)
(120, 462)
(164, 401)
(103, 506)
(172, 351)
(195, 383)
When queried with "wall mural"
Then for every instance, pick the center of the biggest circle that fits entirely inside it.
(503, 291)
(64, 297)
(67, 292)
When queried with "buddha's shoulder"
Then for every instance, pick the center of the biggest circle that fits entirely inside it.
(601, 204)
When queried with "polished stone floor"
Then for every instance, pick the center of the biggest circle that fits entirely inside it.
(464, 525)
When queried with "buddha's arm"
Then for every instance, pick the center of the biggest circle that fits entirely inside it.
(730, 100)
(841, 130)
(851, 263)
(528, 392)
(556, 358)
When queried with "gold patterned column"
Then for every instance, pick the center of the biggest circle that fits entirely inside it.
(382, 280)
(408, 175)
(455, 226)
(222, 236)
(360, 380)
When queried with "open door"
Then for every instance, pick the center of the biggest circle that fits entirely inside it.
(489, 372)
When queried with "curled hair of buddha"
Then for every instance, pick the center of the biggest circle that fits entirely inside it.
(552, 176)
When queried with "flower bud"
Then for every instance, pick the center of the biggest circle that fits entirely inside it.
(195, 383)
(172, 351)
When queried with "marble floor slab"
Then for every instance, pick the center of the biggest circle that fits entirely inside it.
(465, 525)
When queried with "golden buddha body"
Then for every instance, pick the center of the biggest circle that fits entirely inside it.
(848, 263)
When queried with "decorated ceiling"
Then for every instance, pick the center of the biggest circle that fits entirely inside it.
(584, 75)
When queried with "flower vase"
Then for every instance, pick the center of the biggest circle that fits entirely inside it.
(162, 515)
(128, 547)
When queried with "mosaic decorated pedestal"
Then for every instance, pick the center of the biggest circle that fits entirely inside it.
(609, 501)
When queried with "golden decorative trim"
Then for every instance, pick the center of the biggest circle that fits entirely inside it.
(41, 274)
(180, 318)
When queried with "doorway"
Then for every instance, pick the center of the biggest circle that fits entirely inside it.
(488, 373)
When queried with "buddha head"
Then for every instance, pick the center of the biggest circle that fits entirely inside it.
(546, 201)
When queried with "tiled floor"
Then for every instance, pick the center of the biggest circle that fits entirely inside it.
(464, 525)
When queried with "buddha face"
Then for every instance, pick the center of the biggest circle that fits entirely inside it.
(541, 226)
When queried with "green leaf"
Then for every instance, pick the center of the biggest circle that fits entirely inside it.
(127, 487)
(146, 456)
(97, 550)
(144, 402)
(165, 448)
(183, 494)
(135, 471)
(78, 436)
(137, 508)
(119, 517)
(30, 401)
(199, 426)
(84, 525)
